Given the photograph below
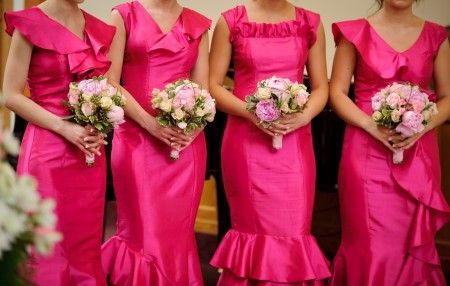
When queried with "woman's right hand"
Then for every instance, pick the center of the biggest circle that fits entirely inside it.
(382, 134)
(250, 116)
(87, 139)
(171, 136)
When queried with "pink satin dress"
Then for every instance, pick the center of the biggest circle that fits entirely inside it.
(390, 213)
(270, 192)
(60, 57)
(157, 199)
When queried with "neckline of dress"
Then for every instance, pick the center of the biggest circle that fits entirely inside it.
(422, 32)
(64, 27)
(264, 23)
(156, 23)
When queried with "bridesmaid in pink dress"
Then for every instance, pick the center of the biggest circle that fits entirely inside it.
(270, 192)
(52, 45)
(157, 42)
(390, 213)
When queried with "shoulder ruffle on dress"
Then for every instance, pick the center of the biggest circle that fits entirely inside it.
(357, 33)
(86, 58)
(189, 27)
(192, 27)
(305, 25)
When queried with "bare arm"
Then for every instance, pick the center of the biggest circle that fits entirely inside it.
(16, 72)
(441, 74)
(220, 56)
(200, 72)
(343, 67)
(133, 109)
(317, 71)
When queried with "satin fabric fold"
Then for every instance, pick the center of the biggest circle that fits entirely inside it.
(390, 213)
(59, 166)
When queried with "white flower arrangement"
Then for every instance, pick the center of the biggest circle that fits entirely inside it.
(27, 222)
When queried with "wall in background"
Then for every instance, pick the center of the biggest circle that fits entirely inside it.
(330, 11)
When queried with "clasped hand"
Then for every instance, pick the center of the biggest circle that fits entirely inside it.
(286, 124)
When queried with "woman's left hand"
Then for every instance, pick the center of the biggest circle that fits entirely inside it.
(289, 123)
(192, 135)
(403, 143)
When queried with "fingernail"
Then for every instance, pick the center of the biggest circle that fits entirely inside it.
(171, 138)
(106, 143)
(92, 130)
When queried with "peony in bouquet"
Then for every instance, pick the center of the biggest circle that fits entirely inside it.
(185, 105)
(404, 107)
(96, 102)
(274, 98)
(26, 221)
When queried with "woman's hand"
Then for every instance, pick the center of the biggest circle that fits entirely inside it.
(250, 116)
(406, 142)
(171, 136)
(289, 123)
(192, 135)
(384, 135)
(87, 139)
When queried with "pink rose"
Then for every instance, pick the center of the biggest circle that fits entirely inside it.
(377, 101)
(267, 110)
(112, 90)
(87, 108)
(277, 85)
(184, 97)
(302, 97)
(395, 115)
(392, 100)
(411, 124)
(74, 95)
(115, 116)
(182, 125)
(418, 100)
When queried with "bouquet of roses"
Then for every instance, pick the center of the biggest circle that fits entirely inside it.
(274, 98)
(96, 102)
(26, 221)
(404, 107)
(185, 105)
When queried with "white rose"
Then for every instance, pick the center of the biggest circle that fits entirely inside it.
(263, 93)
(178, 114)
(377, 115)
(199, 112)
(106, 102)
(166, 105)
(285, 107)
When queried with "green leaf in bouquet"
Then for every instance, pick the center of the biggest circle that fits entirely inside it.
(266, 124)
(162, 121)
(249, 98)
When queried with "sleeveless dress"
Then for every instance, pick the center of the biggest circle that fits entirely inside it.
(390, 213)
(270, 192)
(60, 57)
(157, 199)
